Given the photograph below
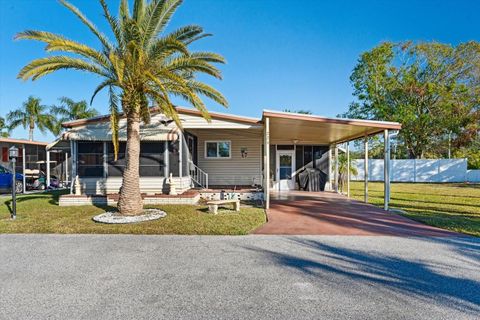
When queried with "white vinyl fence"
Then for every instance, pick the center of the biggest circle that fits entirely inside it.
(412, 170)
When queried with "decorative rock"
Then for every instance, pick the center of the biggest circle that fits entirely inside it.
(114, 218)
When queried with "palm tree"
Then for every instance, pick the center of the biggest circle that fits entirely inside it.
(4, 132)
(142, 64)
(33, 115)
(344, 169)
(69, 110)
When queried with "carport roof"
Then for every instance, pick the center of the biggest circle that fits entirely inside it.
(286, 127)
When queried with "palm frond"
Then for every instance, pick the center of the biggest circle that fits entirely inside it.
(101, 86)
(59, 43)
(43, 66)
(114, 118)
(157, 16)
(103, 39)
(188, 64)
(114, 24)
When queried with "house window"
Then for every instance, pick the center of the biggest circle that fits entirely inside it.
(217, 149)
(90, 159)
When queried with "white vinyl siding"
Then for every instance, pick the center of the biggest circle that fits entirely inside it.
(236, 170)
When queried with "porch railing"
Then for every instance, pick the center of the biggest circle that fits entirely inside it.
(198, 176)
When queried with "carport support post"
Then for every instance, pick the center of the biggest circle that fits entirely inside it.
(336, 169)
(48, 170)
(365, 167)
(266, 163)
(348, 168)
(386, 170)
(24, 179)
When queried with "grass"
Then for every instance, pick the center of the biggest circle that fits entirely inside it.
(450, 206)
(40, 213)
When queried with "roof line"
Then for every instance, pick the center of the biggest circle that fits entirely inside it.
(23, 141)
(309, 117)
(213, 115)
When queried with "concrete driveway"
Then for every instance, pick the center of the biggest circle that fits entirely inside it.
(329, 213)
(250, 277)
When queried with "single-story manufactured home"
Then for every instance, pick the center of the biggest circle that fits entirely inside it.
(252, 156)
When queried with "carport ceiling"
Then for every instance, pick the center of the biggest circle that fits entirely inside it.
(308, 129)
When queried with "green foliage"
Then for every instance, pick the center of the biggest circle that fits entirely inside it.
(301, 111)
(142, 64)
(69, 110)
(32, 115)
(472, 154)
(4, 130)
(344, 169)
(433, 89)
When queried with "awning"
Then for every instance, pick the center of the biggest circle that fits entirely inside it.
(292, 128)
(102, 132)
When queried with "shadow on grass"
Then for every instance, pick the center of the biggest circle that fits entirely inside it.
(402, 277)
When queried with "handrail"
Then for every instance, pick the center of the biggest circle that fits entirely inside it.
(197, 175)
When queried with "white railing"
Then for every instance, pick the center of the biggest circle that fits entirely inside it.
(198, 176)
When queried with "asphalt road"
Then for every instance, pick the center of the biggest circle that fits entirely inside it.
(252, 277)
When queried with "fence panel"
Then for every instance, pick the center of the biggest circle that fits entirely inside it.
(421, 170)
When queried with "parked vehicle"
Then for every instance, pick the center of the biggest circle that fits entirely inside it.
(41, 183)
(6, 180)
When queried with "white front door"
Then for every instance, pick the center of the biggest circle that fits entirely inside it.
(285, 170)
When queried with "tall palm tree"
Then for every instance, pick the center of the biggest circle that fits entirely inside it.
(142, 64)
(69, 110)
(4, 132)
(31, 115)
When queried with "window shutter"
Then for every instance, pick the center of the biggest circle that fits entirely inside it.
(4, 154)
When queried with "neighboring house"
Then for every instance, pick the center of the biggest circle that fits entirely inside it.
(227, 152)
(32, 159)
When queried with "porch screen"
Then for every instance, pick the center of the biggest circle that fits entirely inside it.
(90, 159)
(151, 159)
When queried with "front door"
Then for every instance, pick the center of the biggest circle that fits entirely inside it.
(285, 169)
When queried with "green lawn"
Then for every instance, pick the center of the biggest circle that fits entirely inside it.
(450, 206)
(39, 213)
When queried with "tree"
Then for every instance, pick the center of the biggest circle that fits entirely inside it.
(31, 115)
(344, 169)
(69, 110)
(431, 88)
(301, 111)
(142, 64)
(4, 131)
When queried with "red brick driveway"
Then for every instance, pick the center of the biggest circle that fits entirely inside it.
(328, 213)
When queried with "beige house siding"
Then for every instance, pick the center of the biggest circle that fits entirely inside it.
(235, 170)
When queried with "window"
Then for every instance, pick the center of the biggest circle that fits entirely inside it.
(90, 159)
(217, 149)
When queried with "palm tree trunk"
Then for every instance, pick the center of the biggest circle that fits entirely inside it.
(130, 202)
(30, 134)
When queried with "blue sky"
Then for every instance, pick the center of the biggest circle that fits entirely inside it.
(281, 54)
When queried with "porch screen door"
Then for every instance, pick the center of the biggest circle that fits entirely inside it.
(285, 169)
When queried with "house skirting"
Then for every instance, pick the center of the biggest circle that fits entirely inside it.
(190, 198)
(148, 185)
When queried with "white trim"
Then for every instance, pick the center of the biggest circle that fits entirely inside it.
(217, 142)
(312, 116)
